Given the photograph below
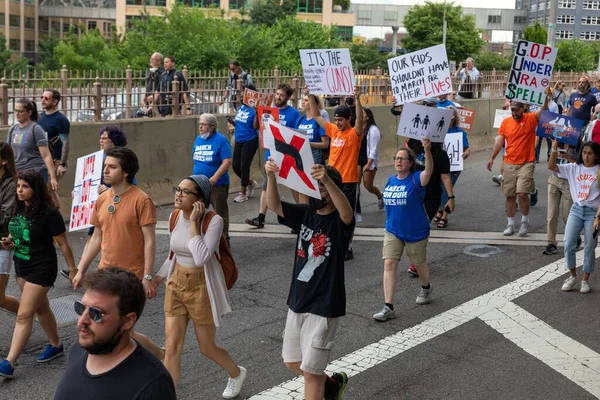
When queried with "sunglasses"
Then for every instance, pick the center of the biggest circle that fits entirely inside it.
(96, 314)
(112, 207)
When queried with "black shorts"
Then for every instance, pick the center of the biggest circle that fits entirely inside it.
(350, 191)
(44, 275)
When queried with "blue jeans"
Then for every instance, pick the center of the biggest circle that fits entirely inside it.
(453, 178)
(317, 156)
(581, 217)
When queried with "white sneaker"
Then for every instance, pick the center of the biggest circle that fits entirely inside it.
(240, 198)
(385, 314)
(234, 386)
(250, 189)
(423, 296)
(569, 283)
(510, 229)
(523, 229)
(585, 287)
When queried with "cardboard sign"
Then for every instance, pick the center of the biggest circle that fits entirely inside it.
(531, 72)
(560, 127)
(85, 190)
(253, 98)
(328, 71)
(419, 122)
(421, 74)
(467, 117)
(453, 144)
(291, 152)
(265, 113)
(500, 116)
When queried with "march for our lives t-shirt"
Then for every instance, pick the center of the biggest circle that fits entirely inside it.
(313, 130)
(581, 106)
(209, 155)
(405, 213)
(583, 183)
(244, 124)
(288, 117)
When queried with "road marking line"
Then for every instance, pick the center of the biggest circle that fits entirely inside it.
(487, 307)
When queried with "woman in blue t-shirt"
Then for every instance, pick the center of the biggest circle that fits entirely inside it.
(406, 225)
(246, 144)
(316, 134)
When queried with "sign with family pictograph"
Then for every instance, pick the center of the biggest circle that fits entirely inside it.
(531, 73)
(252, 98)
(560, 127)
(420, 122)
(453, 144)
(328, 71)
(291, 152)
(85, 191)
(420, 74)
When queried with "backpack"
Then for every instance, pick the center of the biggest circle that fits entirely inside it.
(224, 256)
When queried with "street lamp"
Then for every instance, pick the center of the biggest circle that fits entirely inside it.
(444, 25)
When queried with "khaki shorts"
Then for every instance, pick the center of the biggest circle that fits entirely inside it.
(518, 178)
(394, 247)
(308, 339)
(186, 294)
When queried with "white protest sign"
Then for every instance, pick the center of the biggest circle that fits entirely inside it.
(85, 190)
(419, 122)
(291, 152)
(453, 144)
(531, 72)
(328, 71)
(420, 74)
(500, 116)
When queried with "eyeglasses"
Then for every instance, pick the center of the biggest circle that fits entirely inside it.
(96, 314)
(112, 207)
(401, 159)
(184, 192)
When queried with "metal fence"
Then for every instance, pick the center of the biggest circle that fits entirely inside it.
(112, 95)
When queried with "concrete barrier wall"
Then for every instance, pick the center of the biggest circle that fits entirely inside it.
(164, 147)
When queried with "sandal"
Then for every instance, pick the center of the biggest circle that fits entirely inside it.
(438, 216)
(443, 222)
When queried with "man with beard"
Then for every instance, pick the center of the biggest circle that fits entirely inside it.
(582, 102)
(106, 362)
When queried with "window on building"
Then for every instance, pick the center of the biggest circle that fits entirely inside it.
(56, 27)
(30, 45)
(92, 25)
(566, 3)
(590, 20)
(237, 4)
(520, 19)
(586, 35)
(390, 16)
(345, 32)
(2, 16)
(564, 34)
(533, 7)
(494, 19)
(66, 28)
(135, 2)
(30, 2)
(43, 25)
(201, 3)
(565, 19)
(14, 44)
(14, 21)
(591, 5)
(107, 28)
(307, 6)
(29, 23)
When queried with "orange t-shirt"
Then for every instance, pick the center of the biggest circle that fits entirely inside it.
(520, 139)
(343, 151)
(122, 238)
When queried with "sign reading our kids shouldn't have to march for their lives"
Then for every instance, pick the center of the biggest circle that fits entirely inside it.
(328, 71)
(531, 72)
(252, 98)
(85, 190)
(453, 144)
(292, 154)
(420, 122)
(560, 127)
(421, 74)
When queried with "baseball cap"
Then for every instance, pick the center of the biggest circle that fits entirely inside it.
(342, 112)
(429, 101)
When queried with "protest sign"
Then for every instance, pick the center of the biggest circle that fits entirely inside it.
(252, 98)
(265, 113)
(560, 127)
(420, 74)
(419, 122)
(531, 72)
(85, 191)
(328, 71)
(467, 117)
(453, 144)
(500, 116)
(291, 152)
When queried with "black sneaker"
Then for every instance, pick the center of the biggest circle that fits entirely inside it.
(533, 197)
(550, 249)
(335, 392)
(256, 222)
(349, 255)
(578, 242)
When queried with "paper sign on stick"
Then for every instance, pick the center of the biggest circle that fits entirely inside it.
(85, 190)
(453, 144)
(419, 122)
(420, 74)
(265, 113)
(328, 71)
(500, 116)
(292, 154)
(253, 98)
(531, 72)
(467, 117)
(560, 127)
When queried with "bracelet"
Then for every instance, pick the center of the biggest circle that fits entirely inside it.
(597, 216)
(554, 151)
(451, 197)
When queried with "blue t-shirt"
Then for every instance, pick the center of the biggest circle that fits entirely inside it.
(244, 124)
(313, 130)
(596, 93)
(289, 117)
(209, 155)
(405, 213)
(456, 129)
(55, 124)
(445, 104)
(581, 105)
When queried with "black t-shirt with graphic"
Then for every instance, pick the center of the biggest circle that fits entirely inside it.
(34, 239)
(318, 280)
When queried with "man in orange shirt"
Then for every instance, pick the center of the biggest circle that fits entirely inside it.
(344, 148)
(518, 133)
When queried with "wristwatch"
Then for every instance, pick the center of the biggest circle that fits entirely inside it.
(148, 277)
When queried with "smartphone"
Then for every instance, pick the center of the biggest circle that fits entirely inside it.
(595, 232)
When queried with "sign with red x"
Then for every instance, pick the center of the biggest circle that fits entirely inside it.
(292, 154)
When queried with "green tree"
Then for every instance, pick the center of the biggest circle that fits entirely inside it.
(424, 24)
(368, 56)
(46, 54)
(536, 33)
(268, 12)
(488, 60)
(91, 51)
(575, 55)
(5, 54)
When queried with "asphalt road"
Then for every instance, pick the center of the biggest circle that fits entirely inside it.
(498, 327)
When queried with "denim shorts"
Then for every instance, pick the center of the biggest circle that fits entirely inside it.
(6, 261)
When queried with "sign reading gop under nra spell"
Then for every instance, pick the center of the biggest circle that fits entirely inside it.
(531, 72)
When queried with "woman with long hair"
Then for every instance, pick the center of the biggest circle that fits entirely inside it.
(196, 288)
(372, 137)
(32, 231)
(8, 205)
(584, 182)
